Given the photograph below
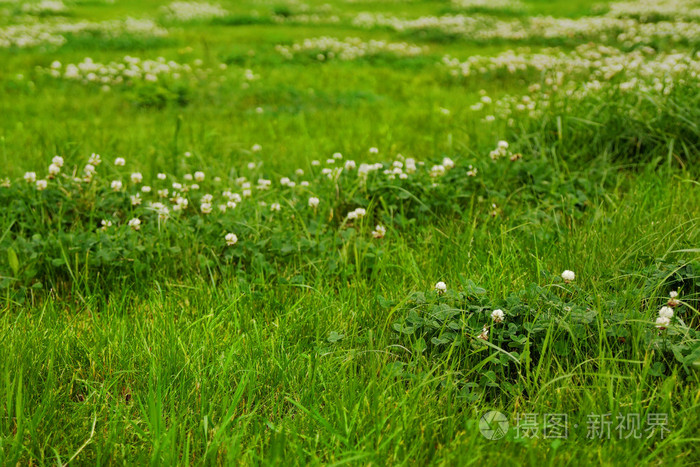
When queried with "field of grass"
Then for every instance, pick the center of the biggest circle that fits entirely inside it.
(305, 217)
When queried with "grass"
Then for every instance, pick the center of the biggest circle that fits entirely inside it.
(305, 348)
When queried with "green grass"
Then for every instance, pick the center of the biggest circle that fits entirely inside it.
(296, 348)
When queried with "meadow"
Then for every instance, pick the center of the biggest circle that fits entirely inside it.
(391, 232)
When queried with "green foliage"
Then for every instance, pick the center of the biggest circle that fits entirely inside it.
(316, 338)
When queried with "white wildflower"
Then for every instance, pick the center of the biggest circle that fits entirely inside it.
(497, 316)
(568, 276)
(662, 322)
(379, 231)
(231, 239)
(441, 287)
(666, 312)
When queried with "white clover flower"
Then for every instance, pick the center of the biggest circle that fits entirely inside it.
(313, 202)
(136, 177)
(441, 287)
(207, 198)
(666, 312)
(251, 165)
(177, 186)
(162, 210)
(357, 213)
(256, 148)
(163, 193)
(135, 199)
(305, 184)
(30, 177)
(199, 176)
(315, 163)
(437, 170)
(95, 159)
(135, 223)
(502, 145)
(448, 163)
(231, 204)
(119, 162)
(330, 161)
(116, 185)
(284, 181)
(231, 239)
(350, 165)
(5, 183)
(194, 186)
(379, 231)
(568, 276)
(373, 150)
(247, 193)
(222, 207)
(41, 185)
(497, 316)
(673, 300)
(663, 322)
(54, 169)
(205, 208)
(337, 155)
(58, 160)
(106, 224)
(484, 334)
(188, 177)
(89, 169)
(146, 189)
(275, 207)
(161, 176)
(299, 172)
(410, 165)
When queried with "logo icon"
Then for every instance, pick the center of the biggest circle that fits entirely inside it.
(493, 425)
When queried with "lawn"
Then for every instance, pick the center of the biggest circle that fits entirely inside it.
(425, 232)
